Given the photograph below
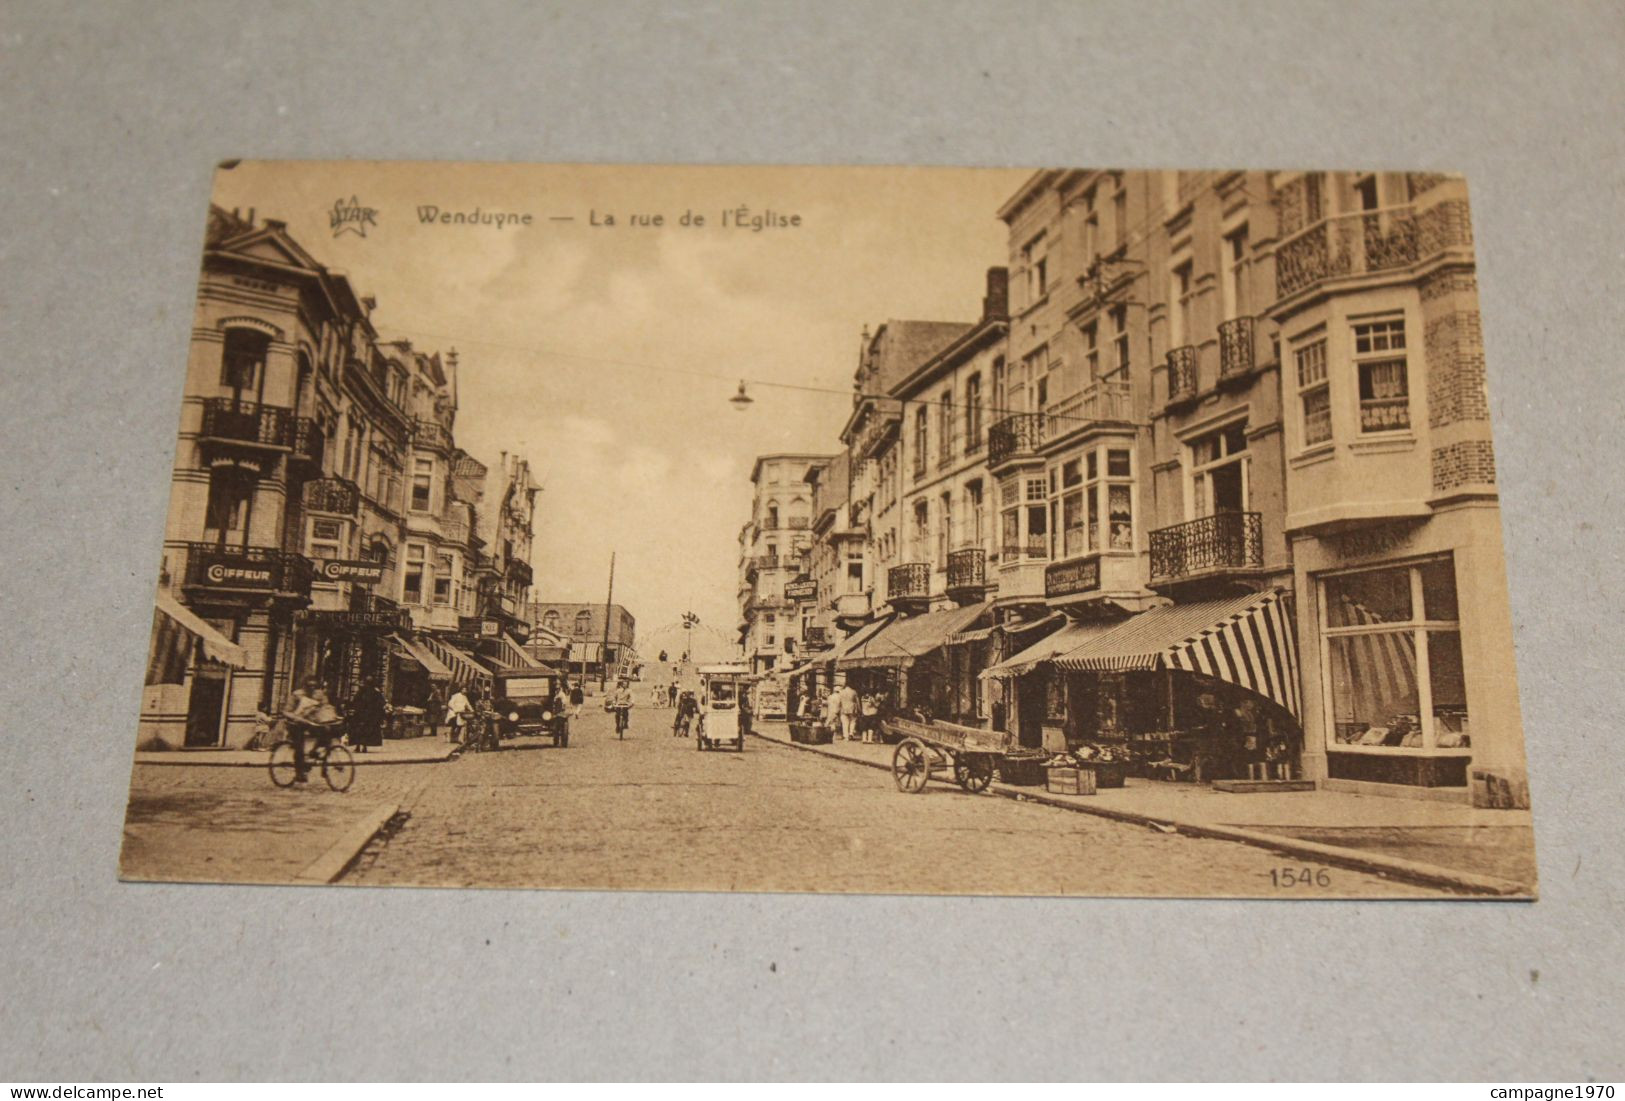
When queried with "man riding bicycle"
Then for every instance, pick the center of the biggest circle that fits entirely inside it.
(310, 712)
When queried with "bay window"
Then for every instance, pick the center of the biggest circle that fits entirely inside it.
(1314, 393)
(1379, 358)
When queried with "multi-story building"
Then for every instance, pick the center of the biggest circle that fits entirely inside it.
(321, 511)
(945, 510)
(837, 558)
(772, 548)
(270, 321)
(594, 655)
(508, 528)
(1392, 511)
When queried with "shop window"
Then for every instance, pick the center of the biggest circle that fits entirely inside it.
(1394, 649)
(1314, 393)
(1379, 358)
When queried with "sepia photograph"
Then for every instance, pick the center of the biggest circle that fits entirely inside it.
(1069, 531)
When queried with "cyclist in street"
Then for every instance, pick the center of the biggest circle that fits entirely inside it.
(308, 712)
(620, 702)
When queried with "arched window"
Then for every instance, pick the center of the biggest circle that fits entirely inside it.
(551, 620)
(242, 363)
(583, 622)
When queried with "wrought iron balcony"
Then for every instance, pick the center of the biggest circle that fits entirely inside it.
(1182, 380)
(1221, 542)
(249, 423)
(1016, 436)
(1358, 243)
(910, 581)
(339, 496)
(520, 571)
(431, 434)
(967, 569)
(240, 572)
(1236, 348)
(1102, 400)
(797, 523)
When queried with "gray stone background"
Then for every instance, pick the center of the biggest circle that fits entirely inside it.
(114, 114)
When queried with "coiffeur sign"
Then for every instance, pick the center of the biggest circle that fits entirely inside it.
(344, 569)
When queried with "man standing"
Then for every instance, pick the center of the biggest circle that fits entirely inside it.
(458, 710)
(848, 711)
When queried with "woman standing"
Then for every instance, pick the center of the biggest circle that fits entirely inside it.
(367, 711)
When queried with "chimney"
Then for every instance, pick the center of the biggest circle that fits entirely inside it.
(996, 303)
(371, 304)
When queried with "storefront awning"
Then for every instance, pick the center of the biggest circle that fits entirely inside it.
(514, 655)
(1246, 640)
(856, 638)
(464, 669)
(175, 630)
(1067, 638)
(905, 640)
(421, 654)
(1054, 619)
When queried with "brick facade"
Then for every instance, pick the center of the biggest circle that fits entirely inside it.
(1469, 462)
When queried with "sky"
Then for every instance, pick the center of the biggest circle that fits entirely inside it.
(606, 354)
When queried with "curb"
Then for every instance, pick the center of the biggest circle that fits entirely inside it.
(1413, 871)
(165, 760)
(333, 863)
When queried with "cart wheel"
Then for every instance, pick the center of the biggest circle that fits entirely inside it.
(911, 767)
(974, 772)
(283, 772)
(338, 768)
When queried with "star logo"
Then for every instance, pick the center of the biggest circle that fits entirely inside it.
(351, 217)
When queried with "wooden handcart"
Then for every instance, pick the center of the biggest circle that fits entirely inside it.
(938, 749)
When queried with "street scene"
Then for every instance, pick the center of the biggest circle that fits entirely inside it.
(1056, 532)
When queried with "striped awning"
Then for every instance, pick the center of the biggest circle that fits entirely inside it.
(514, 655)
(422, 655)
(856, 638)
(905, 640)
(1067, 638)
(1247, 640)
(464, 669)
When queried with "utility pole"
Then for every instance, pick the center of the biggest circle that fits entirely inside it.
(603, 654)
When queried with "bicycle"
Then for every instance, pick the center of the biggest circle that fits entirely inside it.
(336, 764)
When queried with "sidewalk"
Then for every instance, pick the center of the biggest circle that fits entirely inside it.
(1449, 843)
(394, 751)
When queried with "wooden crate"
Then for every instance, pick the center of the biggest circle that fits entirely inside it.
(1070, 781)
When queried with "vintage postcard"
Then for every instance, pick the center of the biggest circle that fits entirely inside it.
(1018, 532)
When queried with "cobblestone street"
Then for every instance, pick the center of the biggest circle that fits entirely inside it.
(651, 812)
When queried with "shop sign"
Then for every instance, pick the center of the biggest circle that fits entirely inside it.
(801, 590)
(1081, 575)
(345, 569)
(396, 620)
(238, 571)
(479, 626)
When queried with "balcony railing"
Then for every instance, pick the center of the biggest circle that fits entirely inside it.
(1036, 546)
(797, 523)
(432, 434)
(908, 581)
(520, 571)
(1223, 541)
(1182, 381)
(967, 569)
(1016, 435)
(1102, 400)
(247, 571)
(247, 422)
(336, 495)
(1236, 348)
(1358, 243)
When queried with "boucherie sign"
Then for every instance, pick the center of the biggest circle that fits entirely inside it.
(342, 569)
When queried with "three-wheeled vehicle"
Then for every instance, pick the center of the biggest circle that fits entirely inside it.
(721, 687)
(523, 701)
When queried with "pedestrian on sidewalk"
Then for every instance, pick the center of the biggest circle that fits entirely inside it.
(848, 711)
(458, 710)
(577, 698)
(869, 718)
(367, 710)
(434, 710)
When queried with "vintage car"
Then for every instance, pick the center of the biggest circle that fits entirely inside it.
(523, 702)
